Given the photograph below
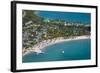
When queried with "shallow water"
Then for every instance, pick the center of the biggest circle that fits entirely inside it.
(73, 50)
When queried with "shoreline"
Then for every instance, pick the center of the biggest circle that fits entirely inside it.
(41, 45)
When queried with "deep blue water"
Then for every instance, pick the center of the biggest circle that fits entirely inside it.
(84, 18)
(73, 50)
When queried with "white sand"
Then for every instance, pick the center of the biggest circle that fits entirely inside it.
(38, 47)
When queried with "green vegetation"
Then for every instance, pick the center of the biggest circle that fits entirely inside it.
(37, 29)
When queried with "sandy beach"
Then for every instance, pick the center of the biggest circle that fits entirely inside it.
(41, 45)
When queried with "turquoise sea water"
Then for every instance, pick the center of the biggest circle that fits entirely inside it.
(84, 18)
(73, 50)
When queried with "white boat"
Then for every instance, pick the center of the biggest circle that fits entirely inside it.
(62, 51)
(38, 51)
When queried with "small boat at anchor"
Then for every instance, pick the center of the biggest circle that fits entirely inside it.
(62, 51)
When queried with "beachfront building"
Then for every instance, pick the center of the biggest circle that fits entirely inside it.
(37, 29)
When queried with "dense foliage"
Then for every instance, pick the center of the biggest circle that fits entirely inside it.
(37, 29)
